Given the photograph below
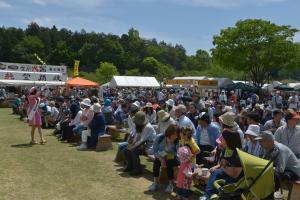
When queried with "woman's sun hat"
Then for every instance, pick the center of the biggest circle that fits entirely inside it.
(163, 116)
(96, 108)
(86, 102)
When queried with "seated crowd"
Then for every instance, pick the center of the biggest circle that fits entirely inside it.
(187, 134)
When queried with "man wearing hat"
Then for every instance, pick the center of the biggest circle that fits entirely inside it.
(227, 121)
(251, 145)
(164, 121)
(86, 117)
(196, 98)
(141, 142)
(171, 107)
(286, 163)
(289, 134)
(95, 128)
(182, 119)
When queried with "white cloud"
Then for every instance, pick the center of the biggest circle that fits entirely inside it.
(70, 3)
(3, 5)
(43, 21)
(225, 3)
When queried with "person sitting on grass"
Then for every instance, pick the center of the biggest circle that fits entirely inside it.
(164, 149)
(141, 142)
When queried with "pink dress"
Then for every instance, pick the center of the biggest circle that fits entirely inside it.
(183, 180)
(37, 119)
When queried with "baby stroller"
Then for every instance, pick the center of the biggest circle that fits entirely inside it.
(257, 183)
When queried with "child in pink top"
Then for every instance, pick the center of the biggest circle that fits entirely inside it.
(185, 173)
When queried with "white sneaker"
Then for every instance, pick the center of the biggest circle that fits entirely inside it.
(153, 187)
(169, 188)
(82, 147)
(278, 195)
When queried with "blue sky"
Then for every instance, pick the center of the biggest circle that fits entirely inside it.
(191, 23)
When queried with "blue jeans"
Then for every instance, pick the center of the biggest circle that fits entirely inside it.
(216, 175)
(123, 146)
(183, 192)
(78, 129)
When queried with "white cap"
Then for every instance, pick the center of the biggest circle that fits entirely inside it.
(253, 130)
(170, 102)
(86, 102)
(96, 107)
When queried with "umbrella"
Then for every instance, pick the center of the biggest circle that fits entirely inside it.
(284, 87)
(239, 85)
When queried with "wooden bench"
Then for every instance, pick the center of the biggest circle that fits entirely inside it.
(104, 143)
(294, 190)
(115, 132)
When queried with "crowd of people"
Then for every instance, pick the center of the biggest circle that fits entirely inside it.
(180, 128)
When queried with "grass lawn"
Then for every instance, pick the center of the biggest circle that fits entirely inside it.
(57, 171)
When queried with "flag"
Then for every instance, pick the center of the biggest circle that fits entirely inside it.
(76, 66)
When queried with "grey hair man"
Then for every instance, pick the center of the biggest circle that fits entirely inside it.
(285, 161)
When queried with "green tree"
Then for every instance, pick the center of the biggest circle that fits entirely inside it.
(256, 47)
(87, 56)
(132, 72)
(61, 54)
(150, 65)
(26, 49)
(105, 72)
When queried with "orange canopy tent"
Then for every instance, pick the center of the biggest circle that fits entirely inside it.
(80, 82)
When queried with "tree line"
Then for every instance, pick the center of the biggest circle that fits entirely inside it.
(251, 48)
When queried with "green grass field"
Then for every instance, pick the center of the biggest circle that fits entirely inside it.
(57, 171)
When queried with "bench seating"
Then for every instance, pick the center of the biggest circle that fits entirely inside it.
(115, 132)
(294, 190)
(104, 143)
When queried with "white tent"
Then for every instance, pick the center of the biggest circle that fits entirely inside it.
(134, 81)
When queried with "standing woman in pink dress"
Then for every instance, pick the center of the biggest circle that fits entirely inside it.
(34, 116)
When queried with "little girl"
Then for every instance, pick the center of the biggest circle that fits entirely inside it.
(185, 173)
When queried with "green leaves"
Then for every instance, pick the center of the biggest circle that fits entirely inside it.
(255, 47)
(105, 72)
